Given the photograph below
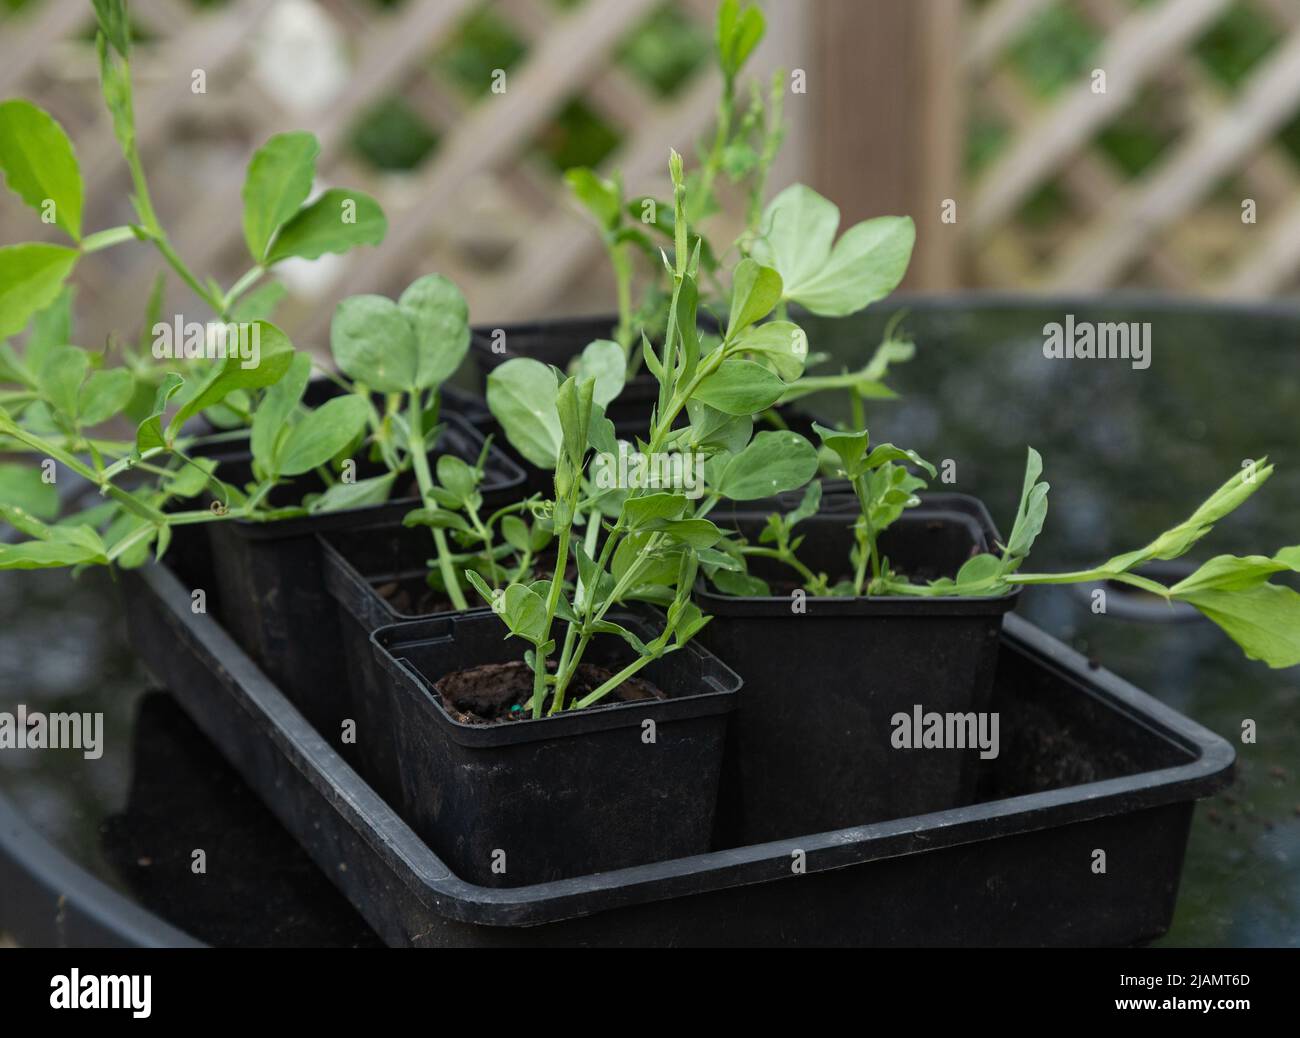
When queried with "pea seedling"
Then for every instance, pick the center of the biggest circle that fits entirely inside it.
(1235, 592)
(655, 538)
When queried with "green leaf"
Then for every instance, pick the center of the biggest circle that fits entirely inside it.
(192, 478)
(740, 387)
(70, 545)
(362, 493)
(808, 505)
(60, 378)
(149, 433)
(573, 402)
(849, 447)
(373, 342)
(600, 197)
(335, 222)
(979, 570)
(105, 394)
(1175, 542)
(660, 567)
(22, 486)
(755, 290)
(698, 533)
(1263, 620)
(1233, 573)
(515, 532)
(521, 394)
(740, 585)
(524, 613)
(688, 332)
(782, 344)
(604, 361)
(274, 355)
(439, 317)
(278, 182)
(712, 428)
(865, 265)
(52, 554)
(436, 519)
(39, 164)
(322, 434)
(1031, 512)
(23, 521)
(31, 276)
(738, 33)
(49, 328)
(887, 452)
(609, 627)
(773, 463)
(114, 24)
(641, 511)
(798, 230)
(457, 476)
(271, 419)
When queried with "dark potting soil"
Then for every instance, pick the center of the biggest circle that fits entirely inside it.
(412, 596)
(498, 693)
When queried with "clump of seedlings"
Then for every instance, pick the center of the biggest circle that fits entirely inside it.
(1263, 618)
(655, 534)
(57, 400)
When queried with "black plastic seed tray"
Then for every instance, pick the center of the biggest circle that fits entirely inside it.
(1087, 764)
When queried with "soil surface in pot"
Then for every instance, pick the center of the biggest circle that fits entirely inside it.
(412, 595)
(498, 693)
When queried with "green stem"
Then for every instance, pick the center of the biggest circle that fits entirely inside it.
(786, 556)
(107, 238)
(247, 281)
(42, 446)
(860, 489)
(600, 693)
(621, 262)
(420, 462)
(177, 264)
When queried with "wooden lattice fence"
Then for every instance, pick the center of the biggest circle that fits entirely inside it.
(1178, 223)
(479, 193)
(898, 96)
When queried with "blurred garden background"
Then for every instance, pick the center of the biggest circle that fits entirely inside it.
(1053, 145)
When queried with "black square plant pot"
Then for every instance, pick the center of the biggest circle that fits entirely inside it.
(357, 564)
(811, 743)
(268, 582)
(531, 801)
